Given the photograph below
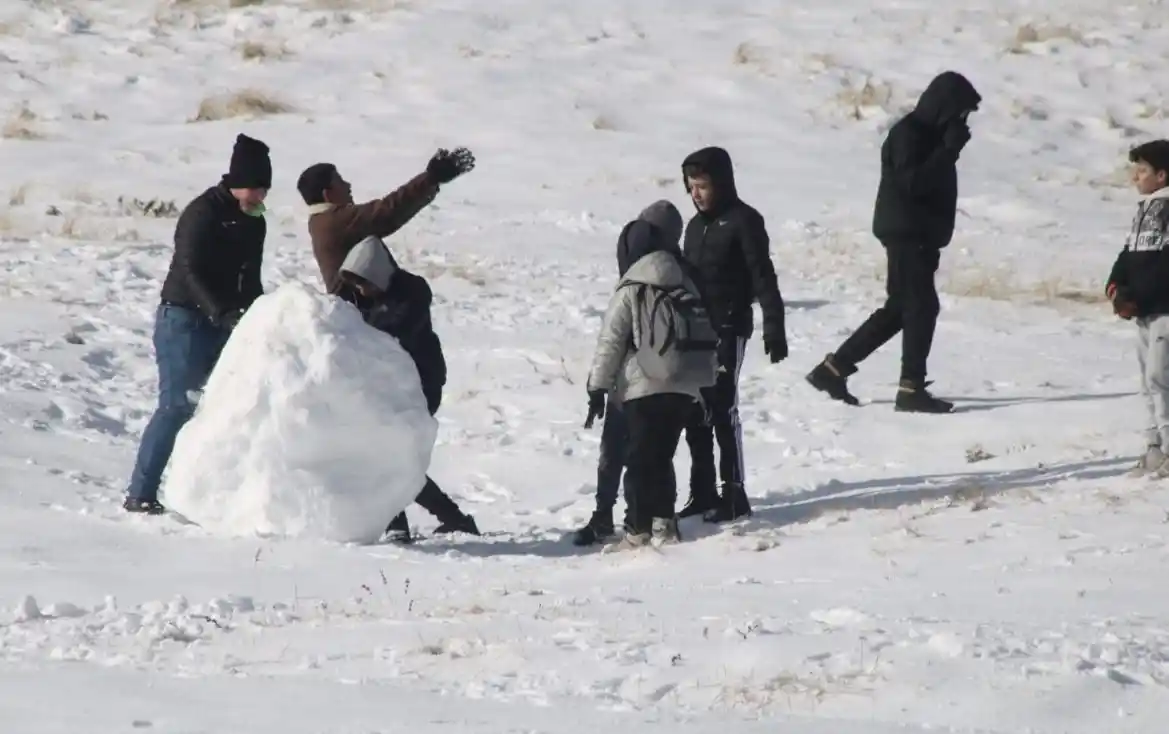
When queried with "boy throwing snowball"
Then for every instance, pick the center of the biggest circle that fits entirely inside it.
(1138, 288)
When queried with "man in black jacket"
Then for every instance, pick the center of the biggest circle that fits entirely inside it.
(214, 277)
(917, 199)
(727, 244)
(397, 302)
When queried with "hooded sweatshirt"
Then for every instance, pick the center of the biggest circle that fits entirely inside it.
(729, 248)
(402, 310)
(1141, 271)
(917, 197)
(615, 368)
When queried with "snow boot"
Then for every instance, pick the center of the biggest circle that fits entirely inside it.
(599, 528)
(398, 531)
(700, 503)
(664, 531)
(1152, 461)
(732, 506)
(143, 507)
(830, 378)
(461, 524)
(912, 397)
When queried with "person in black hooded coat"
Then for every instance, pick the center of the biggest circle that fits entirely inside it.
(913, 218)
(726, 243)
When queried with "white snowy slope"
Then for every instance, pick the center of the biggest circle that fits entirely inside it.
(987, 571)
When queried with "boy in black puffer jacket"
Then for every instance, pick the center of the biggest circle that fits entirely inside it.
(397, 302)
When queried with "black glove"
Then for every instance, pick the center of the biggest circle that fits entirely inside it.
(230, 319)
(447, 165)
(956, 136)
(596, 407)
(775, 347)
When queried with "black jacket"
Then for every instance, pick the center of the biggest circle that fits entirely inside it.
(918, 194)
(403, 312)
(1141, 271)
(729, 248)
(218, 253)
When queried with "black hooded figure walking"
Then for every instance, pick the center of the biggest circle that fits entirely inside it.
(917, 199)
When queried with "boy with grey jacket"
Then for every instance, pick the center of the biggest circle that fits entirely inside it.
(1138, 288)
(655, 410)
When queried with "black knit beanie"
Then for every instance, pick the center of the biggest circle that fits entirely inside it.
(250, 165)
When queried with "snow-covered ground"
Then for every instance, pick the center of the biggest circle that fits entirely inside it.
(988, 571)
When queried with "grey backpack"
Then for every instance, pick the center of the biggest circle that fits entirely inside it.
(679, 344)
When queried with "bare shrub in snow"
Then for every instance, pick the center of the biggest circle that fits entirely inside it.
(600, 122)
(977, 453)
(21, 125)
(747, 54)
(259, 51)
(19, 195)
(244, 103)
(1029, 33)
(871, 94)
(1000, 284)
(156, 208)
(366, 5)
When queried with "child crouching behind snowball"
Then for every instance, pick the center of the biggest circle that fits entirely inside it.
(397, 302)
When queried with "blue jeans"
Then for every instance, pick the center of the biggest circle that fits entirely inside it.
(611, 463)
(186, 347)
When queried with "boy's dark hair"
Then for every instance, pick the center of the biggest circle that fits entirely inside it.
(694, 170)
(313, 182)
(1155, 153)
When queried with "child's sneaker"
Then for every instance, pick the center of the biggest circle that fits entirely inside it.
(665, 531)
(630, 541)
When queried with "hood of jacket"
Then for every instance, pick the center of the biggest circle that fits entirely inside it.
(716, 163)
(371, 260)
(657, 228)
(661, 268)
(948, 95)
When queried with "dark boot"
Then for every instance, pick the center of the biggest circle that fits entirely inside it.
(398, 531)
(700, 503)
(912, 397)
(733, 505)
(830, 378)
(143, 507)
(461, 524)
(598, 529)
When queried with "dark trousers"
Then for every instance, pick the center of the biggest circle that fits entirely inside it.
(432, 499)
(655, 425)
(435, 501)
(911, 307)
(611, 463)
(723, 425)
(186, 348)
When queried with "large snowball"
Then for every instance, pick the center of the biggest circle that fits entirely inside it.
(313, 424)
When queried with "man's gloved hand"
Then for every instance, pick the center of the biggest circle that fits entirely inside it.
(596, 407)
(775, 347)
(230, 319)
(447, 165)
(956, 135)
(1122, 305)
